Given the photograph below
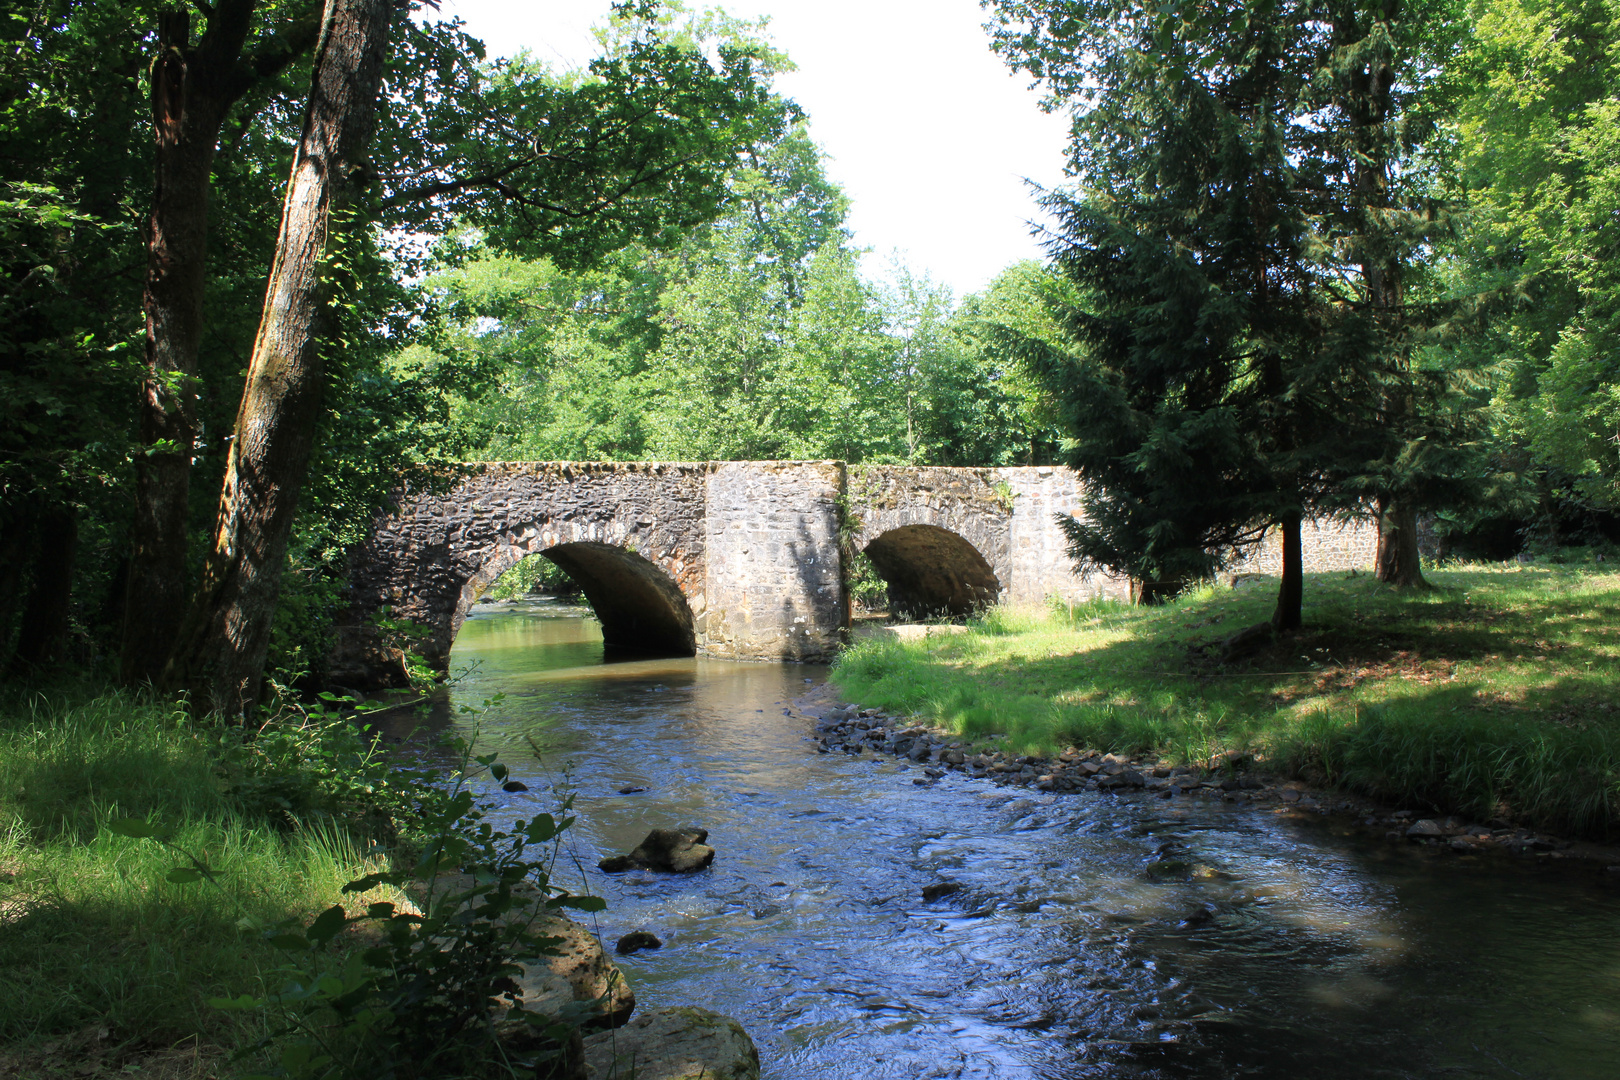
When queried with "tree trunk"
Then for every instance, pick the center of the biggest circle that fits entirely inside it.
(177, 237)
(193, 89)
(1291, 592)
(1151, 592)
(228, 632)
(43, 636)
(1399, 561)
(16, 541)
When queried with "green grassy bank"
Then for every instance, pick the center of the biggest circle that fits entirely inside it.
(1493, 695)
(105, 961)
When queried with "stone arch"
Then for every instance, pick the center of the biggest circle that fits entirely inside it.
(932, 571)
(640, 606)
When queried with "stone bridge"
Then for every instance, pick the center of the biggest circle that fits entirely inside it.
(739, 560)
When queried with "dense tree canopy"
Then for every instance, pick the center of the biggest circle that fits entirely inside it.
(1320, 256)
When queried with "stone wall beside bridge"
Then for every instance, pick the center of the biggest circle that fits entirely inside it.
(737, 560)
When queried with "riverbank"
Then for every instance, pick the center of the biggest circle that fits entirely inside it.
(113, 957)
(1491, 698)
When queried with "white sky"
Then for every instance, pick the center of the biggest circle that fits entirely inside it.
(926, 130)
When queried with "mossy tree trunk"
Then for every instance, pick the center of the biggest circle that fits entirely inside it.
(193, 90)
(222, 654)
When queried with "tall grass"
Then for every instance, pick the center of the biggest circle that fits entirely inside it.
(90, 930)
(1495, 694)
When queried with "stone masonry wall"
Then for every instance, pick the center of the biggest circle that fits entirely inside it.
(773, 585)
(1041, 566)
(735, 559)
(1328, 546)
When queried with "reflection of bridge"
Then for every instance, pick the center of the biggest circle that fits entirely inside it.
(728, 559)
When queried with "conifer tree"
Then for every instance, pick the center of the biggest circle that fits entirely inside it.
(1246, 220)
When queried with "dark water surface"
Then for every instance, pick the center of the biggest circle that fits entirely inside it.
(1329, 955)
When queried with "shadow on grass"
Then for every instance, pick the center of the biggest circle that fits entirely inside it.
(1477, 698)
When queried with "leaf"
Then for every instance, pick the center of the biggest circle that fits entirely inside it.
(327, 924)
(498, 771)
(183, 875)
(289, 942)
(580, 903)
(365, 884)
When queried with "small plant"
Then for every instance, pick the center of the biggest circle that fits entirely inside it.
(401, 991)
(867, 590)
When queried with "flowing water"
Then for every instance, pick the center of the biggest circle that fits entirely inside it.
(1329, 954)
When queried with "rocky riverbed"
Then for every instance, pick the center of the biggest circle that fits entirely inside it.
(844, 728)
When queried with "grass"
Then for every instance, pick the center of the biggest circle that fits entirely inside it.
(1493, 695)
(91, 933)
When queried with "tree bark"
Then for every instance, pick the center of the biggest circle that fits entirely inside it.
(1399, 562)
(193, 89)
(1289, 614)
(222, 652)
(1152, 592)
(43, 636)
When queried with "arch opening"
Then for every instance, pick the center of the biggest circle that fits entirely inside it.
(932, 571)
(640, 607)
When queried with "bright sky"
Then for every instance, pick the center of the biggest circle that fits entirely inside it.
(926, 130)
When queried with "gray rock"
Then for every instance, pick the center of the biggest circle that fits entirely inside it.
(1425, 827)
(579, 972)
(673, 1044)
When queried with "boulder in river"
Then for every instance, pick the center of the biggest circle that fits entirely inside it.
(673, 1044)
(578, 972)
(679, 851)
(637, 940)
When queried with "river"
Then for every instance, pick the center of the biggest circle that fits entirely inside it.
(1330, 954)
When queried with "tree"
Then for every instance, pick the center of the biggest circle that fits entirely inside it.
(1250, 205)
(639, 150)
(193, 89)
(223, 647)
(1537, 134)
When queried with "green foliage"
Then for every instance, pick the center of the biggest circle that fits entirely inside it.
(432, 995)
(1490, 697)
(531, 573)
(1536, 152)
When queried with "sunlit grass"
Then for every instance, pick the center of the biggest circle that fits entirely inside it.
(1494, 693)
(90, 930)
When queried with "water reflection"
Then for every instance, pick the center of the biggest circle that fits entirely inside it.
(1274, 948)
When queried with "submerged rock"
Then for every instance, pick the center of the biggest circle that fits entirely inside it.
(673, 1044)
(678, 851)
